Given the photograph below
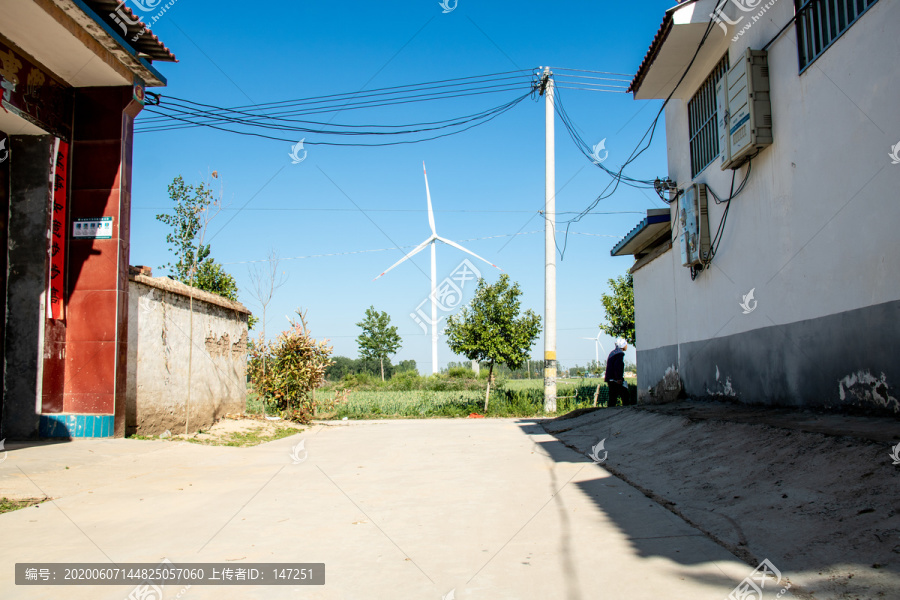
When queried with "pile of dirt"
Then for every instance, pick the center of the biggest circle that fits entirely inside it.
(818, 495)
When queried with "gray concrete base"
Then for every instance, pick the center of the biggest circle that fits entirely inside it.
(848, 361)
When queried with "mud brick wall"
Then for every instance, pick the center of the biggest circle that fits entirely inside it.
(164, 337)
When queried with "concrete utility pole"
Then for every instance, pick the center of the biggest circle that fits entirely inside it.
(549, 248)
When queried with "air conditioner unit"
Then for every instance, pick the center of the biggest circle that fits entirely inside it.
(692, 214)
(744, 110)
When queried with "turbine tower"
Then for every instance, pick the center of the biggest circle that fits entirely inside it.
(433, 240)
(597, 346)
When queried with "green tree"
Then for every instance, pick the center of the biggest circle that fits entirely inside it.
(379, 339)
(194, 208)
(619, 307)
(340, 366)
(407, 366)
(491, 329)
(212, 277)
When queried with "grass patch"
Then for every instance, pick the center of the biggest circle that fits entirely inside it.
(255, 404)
(7, 505)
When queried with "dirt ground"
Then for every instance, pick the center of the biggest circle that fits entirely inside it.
(242, 430)
(816, 494)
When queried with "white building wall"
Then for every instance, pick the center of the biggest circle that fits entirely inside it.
(814, 233)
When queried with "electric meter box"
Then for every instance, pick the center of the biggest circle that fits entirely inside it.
(692, 214)
(744, 109)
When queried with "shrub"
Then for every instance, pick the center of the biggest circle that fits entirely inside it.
(460, 373)
(405, 381)
(286, 371)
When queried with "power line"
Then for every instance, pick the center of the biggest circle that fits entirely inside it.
(369, 92)
(590, 71)
(271, 119)
(352, 252)
(258, 120)
(494, 113)
(310, 104)
(645, 140)
(406, 210)
(591, 77)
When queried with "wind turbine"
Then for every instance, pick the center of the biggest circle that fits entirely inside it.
(597, 346)
(432, 240)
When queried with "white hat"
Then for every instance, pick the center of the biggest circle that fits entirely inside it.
(621, 343)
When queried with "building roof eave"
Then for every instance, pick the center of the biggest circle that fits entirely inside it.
(649, 230)
(673, 48)
(136, 57)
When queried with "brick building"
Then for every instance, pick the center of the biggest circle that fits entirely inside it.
(73, 75)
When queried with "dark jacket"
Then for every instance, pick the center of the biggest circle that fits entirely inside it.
(615, 366)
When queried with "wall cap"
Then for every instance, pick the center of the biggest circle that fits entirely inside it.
(176, 287)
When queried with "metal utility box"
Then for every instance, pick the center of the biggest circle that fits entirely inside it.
(744, 109)
(694, 220)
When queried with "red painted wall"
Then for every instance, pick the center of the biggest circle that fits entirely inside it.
(90, 379)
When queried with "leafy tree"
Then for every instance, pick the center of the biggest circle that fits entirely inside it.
(340, 366)
(212, 277)
(491, 329)
(407, 366)
(619, 307)
(194, 208)
(379, 338)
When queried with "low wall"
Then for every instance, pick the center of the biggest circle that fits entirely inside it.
(160, 322)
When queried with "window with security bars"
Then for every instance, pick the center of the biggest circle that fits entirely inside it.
(702, 111)
(821, 22)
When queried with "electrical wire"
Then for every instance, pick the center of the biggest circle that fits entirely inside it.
(391, 210)
(650, 131)
(717, 239)
(490, 116)
(177, 113)
(478, 239)
(407, 87)
(179, 105)
(642, 145)
(449, 123)
(217, 115)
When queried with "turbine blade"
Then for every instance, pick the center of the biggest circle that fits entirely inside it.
(415, 251)
(428, 196)
(455, 245)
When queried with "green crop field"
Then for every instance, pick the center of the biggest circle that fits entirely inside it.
(517, 398)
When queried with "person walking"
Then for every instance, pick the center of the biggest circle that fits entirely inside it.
(615, 375)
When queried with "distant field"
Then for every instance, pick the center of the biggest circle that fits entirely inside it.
(518, 398)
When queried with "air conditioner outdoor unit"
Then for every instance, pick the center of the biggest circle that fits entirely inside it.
(692, 214)
(744, 110)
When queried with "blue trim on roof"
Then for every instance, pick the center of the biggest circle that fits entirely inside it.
(640, 227)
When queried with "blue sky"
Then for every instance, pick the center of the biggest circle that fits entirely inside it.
(486, 182)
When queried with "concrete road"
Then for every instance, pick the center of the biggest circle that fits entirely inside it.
(432, 509)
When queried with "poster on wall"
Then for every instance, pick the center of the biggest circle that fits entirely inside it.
(58, 188)
(93, 229)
